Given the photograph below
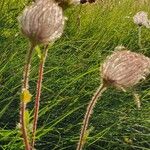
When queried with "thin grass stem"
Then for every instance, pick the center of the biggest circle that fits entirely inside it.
(140, 37)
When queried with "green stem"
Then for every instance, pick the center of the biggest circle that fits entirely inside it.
(79, 18)
(38, 94)
(140, 37)
(23, 104)
(89, 111)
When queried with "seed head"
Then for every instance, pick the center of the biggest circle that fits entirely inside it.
(141, 19)
(125, 69)
(42, 22)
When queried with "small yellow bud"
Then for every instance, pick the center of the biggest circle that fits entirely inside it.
(26, 96)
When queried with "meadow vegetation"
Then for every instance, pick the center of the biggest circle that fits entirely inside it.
(71, 76)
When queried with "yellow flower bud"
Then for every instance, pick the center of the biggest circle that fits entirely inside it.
(25, 96)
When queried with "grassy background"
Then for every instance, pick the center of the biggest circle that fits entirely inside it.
(71, 76)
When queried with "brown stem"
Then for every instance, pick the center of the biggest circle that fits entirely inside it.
(89, 111)
(23, 104)
(38, 94)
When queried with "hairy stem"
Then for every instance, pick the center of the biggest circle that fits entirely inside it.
(89, 111)
(38, 94)
(25, 85)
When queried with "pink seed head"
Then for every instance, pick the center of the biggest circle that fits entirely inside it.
(124, 69)
(42, 22)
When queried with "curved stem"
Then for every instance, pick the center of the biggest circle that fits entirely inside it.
(89, 111)
(38, 94)
(25, 85)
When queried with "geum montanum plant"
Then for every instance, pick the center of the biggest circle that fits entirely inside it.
(123, 69)
(42, 23)
(141, 19)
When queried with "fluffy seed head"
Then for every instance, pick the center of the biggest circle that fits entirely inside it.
(42, 22)
(141, 19)
(125, 69)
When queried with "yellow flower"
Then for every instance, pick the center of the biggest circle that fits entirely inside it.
(26, 96)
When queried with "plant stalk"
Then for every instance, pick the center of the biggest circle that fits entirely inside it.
(25, 85)
(89, 111)
(38, 94)
(140, 37)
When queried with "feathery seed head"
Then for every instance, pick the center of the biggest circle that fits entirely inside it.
(124, 69)
(42, 22)
(141, 19)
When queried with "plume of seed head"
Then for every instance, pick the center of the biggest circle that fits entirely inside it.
(124, 69)
(42, 22)
(141, 19)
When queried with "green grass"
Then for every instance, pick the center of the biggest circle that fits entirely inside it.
(71, 76)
